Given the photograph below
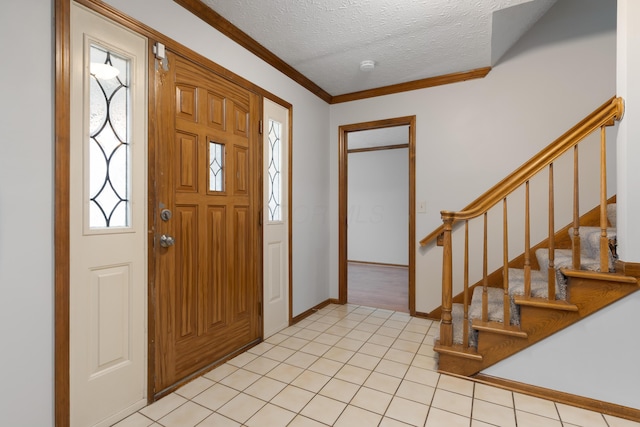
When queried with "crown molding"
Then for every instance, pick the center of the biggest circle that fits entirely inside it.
(217, 21)
(478, 73)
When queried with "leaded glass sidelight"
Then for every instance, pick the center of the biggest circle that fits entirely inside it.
(109, 144)
(274, 168)
(216, 166)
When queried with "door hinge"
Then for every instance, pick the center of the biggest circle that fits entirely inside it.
(159, 51)
(260, 127)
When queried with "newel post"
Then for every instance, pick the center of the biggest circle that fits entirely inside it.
(446, 327)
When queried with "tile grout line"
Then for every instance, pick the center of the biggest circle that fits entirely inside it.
(350, 323)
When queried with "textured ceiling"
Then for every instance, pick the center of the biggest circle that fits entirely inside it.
(326, 40)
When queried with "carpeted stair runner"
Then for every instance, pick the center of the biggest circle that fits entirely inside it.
(589, 260)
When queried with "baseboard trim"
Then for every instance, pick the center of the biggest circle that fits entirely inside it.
(378, 264)
(423, 315)
(561, 397)
(312, 310)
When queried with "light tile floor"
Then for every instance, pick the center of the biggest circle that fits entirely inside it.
(352, 366)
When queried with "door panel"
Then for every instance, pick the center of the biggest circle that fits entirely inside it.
(107, 221)
(275, 217)
(208, 282)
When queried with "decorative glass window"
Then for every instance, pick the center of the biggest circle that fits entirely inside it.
(274, 167)
(216, 166)
(109, 144)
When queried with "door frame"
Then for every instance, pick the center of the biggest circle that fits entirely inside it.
(343, 132)
(62, 23)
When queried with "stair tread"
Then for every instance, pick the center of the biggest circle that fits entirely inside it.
(613, 277)
(545, 303)
(563, 258)
(458, 350)
(499, 328)
(539, 282)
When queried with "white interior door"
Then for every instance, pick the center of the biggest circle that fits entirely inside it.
(108, 261)
(276, 218)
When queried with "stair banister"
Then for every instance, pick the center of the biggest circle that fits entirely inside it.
(605, 115)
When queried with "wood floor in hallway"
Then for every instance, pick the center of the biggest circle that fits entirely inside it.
(379, 286)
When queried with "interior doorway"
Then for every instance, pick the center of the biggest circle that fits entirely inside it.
(376, 236)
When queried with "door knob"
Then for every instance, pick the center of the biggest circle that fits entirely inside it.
(166, 241)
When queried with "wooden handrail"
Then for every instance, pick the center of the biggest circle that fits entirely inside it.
(606, 114)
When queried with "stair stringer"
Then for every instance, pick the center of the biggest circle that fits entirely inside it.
(588, 291)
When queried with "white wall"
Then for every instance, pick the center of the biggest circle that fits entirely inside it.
(628, 148)
(310, 133)
(378, 206)
(470, 135)
(595, 358)
(26, 214)
(573, 360)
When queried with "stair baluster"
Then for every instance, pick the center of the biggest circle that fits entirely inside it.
(575, 239)
(446, 327)
(505, 265)
(485, 276)
(527, 243)
(552, 242)
(465, 323)
(604, 241)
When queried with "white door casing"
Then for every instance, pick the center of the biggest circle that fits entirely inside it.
(276, 217)
(108, 263)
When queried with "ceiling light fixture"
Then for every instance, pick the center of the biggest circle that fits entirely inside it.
(367, 65)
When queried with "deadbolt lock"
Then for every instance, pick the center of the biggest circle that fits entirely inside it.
(165, 214)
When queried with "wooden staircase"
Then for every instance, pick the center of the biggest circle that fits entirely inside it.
(586, 293)
(491, 320)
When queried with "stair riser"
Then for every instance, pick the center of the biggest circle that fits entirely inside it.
(492, 341)
(538, 321)
(583, 293)
(458, 365)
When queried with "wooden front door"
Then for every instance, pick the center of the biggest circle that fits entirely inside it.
(207, 240)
